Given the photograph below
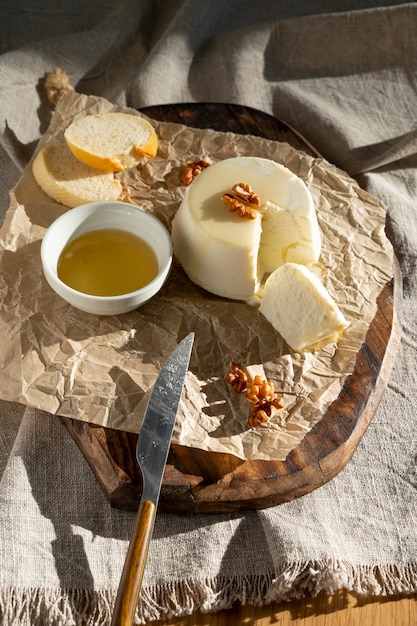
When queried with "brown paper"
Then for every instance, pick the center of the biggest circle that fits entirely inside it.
(102, 369)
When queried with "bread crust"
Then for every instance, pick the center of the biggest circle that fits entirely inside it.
(70, 182)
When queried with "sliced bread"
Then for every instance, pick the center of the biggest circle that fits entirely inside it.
(111, 142)
(69, 181)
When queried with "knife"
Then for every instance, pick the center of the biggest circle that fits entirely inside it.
(151, 453)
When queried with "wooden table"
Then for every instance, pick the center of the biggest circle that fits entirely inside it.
(341, 609)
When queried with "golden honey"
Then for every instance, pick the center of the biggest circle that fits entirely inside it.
(107, 262)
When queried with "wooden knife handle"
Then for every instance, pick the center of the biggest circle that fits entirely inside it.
(134, 566)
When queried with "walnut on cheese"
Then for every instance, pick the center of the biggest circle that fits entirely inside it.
(243, 201)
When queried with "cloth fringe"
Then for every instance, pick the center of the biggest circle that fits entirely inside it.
(83, 607)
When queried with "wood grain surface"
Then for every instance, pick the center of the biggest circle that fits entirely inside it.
(198, 481)
(341, 609)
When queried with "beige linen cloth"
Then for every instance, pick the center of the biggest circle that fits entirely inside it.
(344, 74)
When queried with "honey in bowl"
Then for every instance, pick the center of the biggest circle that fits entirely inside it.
(107, 262)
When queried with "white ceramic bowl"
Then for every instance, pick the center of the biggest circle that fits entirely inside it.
(98, 215)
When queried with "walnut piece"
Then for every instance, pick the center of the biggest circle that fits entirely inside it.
(261, 411)
(257, 417)
(260, 390)
(242, 201)
(245, 192)
(237, 206)
(237, 378)
(192, 170)
(260, 393)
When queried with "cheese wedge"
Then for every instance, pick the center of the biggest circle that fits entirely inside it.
(111, 142)
(228, 255)
(300, 308)
(70, 182)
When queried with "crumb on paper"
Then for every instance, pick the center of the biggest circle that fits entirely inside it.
(57, 85)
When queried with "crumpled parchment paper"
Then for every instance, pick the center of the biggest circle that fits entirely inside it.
(102, 369)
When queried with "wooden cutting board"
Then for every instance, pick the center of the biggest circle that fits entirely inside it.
(196, 481)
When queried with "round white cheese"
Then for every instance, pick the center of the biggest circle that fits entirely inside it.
(228, 255)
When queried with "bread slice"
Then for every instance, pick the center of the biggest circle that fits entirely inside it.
(69, 181)
(111, 142)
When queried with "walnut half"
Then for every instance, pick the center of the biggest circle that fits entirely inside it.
(259, 392)
(262, 411)
(192, 170)
(245, 193)
(237, 378)
(242, 201)
(237, 206)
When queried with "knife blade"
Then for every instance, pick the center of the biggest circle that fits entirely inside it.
(151, 453)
